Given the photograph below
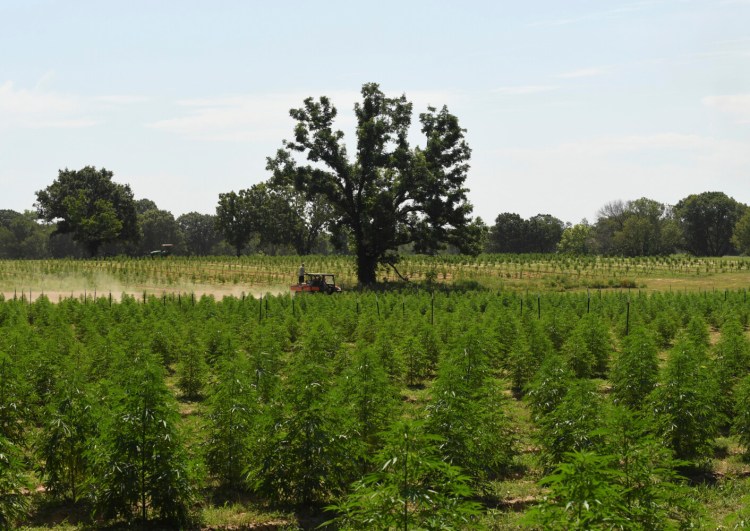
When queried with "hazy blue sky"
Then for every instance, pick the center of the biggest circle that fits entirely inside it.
(568, 104)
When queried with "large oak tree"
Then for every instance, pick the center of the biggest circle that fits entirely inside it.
(88, 204)
(388, 194)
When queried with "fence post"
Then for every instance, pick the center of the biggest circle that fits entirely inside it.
(432, 309)
(627, 320)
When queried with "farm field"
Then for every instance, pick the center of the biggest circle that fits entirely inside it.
(261, 274)
(440, 404)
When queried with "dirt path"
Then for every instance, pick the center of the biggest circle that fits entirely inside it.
(218, 292)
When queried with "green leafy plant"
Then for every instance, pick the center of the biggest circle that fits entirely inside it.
(142, 464)
(685, 404)
(635, 370)
(412, 487)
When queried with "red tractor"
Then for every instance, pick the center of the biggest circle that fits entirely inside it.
(317, 283)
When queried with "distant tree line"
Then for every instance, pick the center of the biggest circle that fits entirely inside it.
(274, 218)
(706, 224)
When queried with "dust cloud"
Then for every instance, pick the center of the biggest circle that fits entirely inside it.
(97, 285)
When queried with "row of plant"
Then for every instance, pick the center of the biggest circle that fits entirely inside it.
(542, 272)
(377, 410)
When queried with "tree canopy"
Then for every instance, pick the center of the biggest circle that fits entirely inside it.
(389, 194)
(708, 220)
(88, 204)
(513, 234)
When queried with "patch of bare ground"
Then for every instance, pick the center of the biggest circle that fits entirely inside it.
(197, 291)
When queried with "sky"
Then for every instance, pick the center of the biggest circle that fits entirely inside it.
(567, 105)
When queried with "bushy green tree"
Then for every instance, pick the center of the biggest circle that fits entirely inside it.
(707, 221)
(741, 234)
(88, 204)
(200, 233)
(390, 194)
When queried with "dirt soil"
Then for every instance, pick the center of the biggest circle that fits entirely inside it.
(218, 292)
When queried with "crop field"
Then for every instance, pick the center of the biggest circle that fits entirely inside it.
(501, 393)
(254, 275)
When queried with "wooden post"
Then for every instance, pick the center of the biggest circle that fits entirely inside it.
(432, 309)
(627, 320)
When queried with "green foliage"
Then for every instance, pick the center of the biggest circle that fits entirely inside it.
(304, 456)
(391, 194)
(635, 370)
(522, 363)
(732, 363)
(513, 234)
(685, 404)
(575, 350)
(697, 332)
(654, 495)
(66, 445)
(14, 395)
(741, 234)
(14, 503)
(549, 385)
(576, 240)
(415, 360)
(366, 392)
(232, 410)
(572, 424)
(466, 410)
(642, 227)
(412, 487)
(142, 464)
(582, 495)
(741, 425)
(628, 482)
(192, 368)
(707, 221)
(88, 204)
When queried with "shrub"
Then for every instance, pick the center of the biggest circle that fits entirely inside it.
(635, 370)
(685, 405)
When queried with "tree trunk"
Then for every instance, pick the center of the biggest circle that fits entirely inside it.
(366, 266)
